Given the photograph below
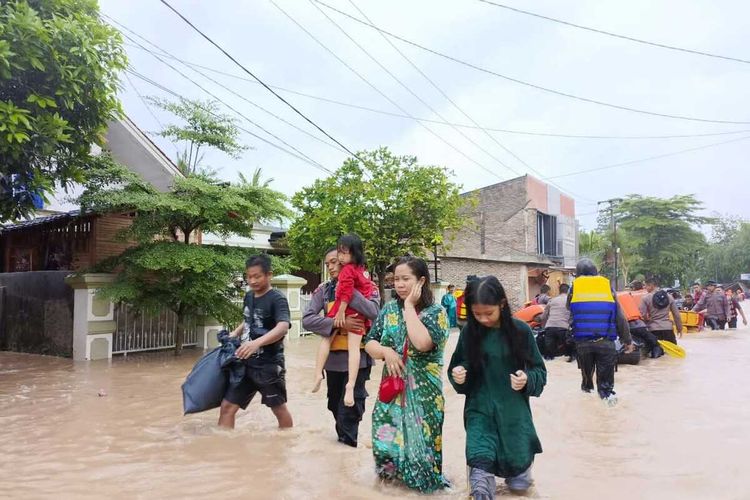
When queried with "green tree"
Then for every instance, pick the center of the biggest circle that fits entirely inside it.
(164, 267)
(58, 83)
(728, 255)
(662, 234)
(593, 245)
(392, 203)
(203, 127)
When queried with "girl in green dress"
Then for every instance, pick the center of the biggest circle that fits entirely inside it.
(407, 433)
(497, 366)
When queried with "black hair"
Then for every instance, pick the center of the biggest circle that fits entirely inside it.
(545, 289)
(262, 260)
(586, 267)
(653, 280)
(354, 245)
(564, 288)
(420, 270)
(488, 291)
(331, 249)
(637, 285)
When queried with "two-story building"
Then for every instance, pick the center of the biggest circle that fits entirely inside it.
(523, 231)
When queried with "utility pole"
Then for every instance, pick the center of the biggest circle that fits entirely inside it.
(615, 250)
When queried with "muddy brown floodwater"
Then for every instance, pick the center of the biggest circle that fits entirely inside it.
(681, 431)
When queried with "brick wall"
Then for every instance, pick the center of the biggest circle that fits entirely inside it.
(513, 276)
(509, 225)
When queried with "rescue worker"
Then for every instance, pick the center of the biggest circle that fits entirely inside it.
(716, 305)
(629, 301)
(597, 321)
(556, 324)
(656, 307)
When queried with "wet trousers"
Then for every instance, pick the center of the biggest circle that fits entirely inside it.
(347, 417)
(716, 323)
(667, 335)
(648, 338)
(556, 343)
(483, 483)
(599, 356)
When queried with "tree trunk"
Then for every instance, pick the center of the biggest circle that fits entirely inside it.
(380, 271)
(179, 334)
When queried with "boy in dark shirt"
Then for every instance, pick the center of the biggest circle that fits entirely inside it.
(266, 322)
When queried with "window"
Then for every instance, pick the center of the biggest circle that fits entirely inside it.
(546, 234)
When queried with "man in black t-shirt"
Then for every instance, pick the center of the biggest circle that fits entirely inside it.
(266, 322)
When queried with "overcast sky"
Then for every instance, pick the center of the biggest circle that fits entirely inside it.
(547, 54)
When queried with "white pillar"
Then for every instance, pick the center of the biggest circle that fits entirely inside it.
(439, 288)
(291, 287)
(93, 317)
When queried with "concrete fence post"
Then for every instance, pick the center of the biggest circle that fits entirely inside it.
(439, 288)
(206, 330)
(93, 317)
(291, 287)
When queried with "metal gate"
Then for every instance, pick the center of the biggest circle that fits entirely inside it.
(137, 331)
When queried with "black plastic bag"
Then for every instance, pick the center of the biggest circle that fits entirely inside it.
(205, 386)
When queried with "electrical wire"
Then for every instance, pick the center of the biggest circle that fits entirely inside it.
(414, 94)
(215, 115)
(238, 113)
(441, 122)
(243, 68)
(148, 107)
(615, 35)
(529, 84)
(453, 103)
(650, 158)
(240, 96)
(376, 89)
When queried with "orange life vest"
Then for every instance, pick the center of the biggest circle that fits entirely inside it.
(629, 304)
(340, 340)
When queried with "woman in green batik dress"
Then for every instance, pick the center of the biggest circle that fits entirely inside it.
(407, 433)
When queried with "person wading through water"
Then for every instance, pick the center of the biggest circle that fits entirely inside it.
(597, 321)
(337, 366)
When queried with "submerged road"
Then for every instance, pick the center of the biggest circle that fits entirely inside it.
(681, 431)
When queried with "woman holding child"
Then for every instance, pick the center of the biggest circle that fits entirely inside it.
(409, 335)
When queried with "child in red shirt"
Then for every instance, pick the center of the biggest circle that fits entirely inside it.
(351, 277)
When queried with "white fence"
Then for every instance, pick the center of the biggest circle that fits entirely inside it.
(137, 332)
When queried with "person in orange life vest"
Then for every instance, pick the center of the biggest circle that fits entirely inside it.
(597, 320)
(630, 303)
(351, 254)
(347, 418)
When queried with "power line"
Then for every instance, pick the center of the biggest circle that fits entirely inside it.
(453, 103)
(615, 35)
(148, 108)
(529, 84)
(410, 91)
(215, 115)
(650, 158)
(240, 96)
(242, 115)
(441, 122)
(311, 122)
(371, 85)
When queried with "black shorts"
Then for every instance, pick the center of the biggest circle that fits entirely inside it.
(268, 379)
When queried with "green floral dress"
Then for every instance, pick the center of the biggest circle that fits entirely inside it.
(407, 433)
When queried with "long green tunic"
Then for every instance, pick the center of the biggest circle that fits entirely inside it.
(500, 434)
(407, 434)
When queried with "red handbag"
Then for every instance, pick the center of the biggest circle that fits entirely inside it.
(393, 385)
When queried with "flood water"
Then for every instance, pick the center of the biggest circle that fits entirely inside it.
(681, 431)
